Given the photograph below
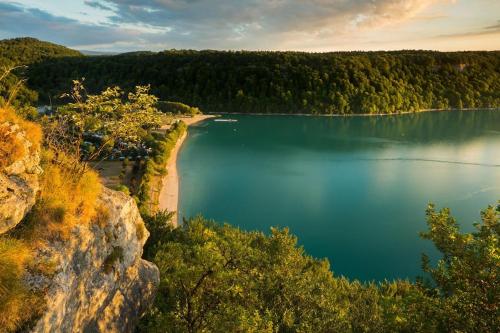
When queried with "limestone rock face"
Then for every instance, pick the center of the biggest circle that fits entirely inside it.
(18, 182)
(101, 284)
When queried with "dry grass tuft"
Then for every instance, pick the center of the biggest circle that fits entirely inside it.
(17, 303)
(67, 198)
(11, 147)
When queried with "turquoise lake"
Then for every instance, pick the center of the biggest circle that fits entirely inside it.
(352, 189)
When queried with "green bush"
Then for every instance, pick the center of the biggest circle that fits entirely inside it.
(123, 188)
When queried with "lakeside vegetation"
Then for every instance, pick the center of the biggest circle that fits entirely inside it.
(217, 278)
(155, 168)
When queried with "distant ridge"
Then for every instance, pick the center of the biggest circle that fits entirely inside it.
(106, 53)
(97, 53)
(27, 50)
(138, 53)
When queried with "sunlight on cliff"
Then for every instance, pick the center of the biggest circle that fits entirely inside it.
(11, 147)
(17, 139)
(66, 198)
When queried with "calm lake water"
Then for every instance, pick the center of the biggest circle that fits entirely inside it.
(352, 189)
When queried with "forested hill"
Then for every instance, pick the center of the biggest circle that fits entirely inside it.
(25, 52)
(291, 82)
(284, 82)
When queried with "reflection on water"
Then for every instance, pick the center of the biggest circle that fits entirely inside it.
(353, 189)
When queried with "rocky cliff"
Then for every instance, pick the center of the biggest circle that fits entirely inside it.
(18, 176)
(102, 284)
(98, 283)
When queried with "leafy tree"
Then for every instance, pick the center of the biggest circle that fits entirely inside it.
(217, 278)
(108, 116)
(468, 275)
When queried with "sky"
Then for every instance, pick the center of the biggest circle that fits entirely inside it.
(301, 25)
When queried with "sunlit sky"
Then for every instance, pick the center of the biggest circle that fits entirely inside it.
(305, 25)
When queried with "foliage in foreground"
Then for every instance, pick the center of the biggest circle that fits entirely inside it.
(216, 278)
(468, 275)
(112, 116)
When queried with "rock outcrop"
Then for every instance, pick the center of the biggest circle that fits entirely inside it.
(18, 180)
(97, 281)
(102, 284)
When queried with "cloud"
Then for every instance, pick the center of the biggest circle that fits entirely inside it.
(267, 23)
(16, 20)
(213, 24)
(495, 27)
(271, 16)
(489, 30)
(97, 5)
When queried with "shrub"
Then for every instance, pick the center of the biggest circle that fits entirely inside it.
(123, 188)
(177, 108)
(218, 278)
(11, 148)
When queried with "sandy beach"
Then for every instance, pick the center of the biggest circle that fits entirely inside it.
(169, 193)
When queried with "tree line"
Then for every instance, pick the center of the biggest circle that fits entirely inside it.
(16, 56)
(289, 82)
(265, 82)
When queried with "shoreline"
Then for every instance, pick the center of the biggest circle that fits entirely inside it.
(169, 193)
(351, 114)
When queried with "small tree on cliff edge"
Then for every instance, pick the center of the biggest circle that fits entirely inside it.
(112, 116)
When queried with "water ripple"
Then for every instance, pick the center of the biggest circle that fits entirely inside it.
(427, 160)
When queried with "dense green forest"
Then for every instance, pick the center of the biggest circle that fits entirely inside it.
(18, 55)
(217, 278)
(269, 82)
(290, 82)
